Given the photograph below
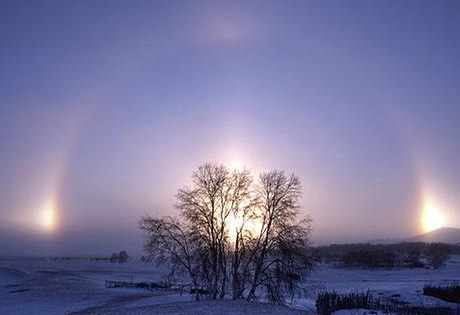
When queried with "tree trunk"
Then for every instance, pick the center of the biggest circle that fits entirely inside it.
(195, 284)
(252, 294)
(215, 275)
(236, 285)
(222, 287)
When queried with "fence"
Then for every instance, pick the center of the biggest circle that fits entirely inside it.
(449, 292)
(329, 302)
(150, 286)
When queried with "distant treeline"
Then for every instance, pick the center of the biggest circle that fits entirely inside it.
(120, 257)
(401, 255)
(70, 258)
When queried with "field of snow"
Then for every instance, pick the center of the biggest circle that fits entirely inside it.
(44, 287)
(403, 284)
(41, 286)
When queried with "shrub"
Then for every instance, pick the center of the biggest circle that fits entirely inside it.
(447, 292)
(329, 302)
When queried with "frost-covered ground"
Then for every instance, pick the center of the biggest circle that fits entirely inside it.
(41, 286)
(408, 283)
(402, 284)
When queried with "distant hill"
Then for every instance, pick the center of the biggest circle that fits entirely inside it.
(443, 235)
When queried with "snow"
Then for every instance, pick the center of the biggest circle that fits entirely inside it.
(40, 286)
(357, 312)
(45, 287)
(408, 283)
(206, 307)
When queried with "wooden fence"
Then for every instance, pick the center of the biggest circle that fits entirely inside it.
(150, 286)
(329, 302)
(449, 291)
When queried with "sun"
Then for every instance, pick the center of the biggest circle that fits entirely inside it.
(235, 165)
(238, 224)
(234, 225)
(432, 218)
(48, 217)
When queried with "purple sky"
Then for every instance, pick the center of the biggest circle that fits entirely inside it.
(106, 107)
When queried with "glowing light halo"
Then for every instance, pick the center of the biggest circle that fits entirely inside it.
(232, 158)
(234, 224)
(47, 219)
(48, 216)
(43, 215)
(235, 158)
(247, 226)
(437, 204)
(432, 217)
(235, 165)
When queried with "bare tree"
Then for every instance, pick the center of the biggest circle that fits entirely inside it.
(114, 258)
(278, 251)
(234, 233)
(215, 196)
(169, 241)
(242, 204)
(203, 208)
(123, 257)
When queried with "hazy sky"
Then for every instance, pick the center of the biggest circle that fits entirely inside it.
(106, 107)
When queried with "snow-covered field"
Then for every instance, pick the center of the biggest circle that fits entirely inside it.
(41, 286)
(408, 283)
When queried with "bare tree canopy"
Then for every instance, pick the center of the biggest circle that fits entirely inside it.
(278, 251)
(234, 233)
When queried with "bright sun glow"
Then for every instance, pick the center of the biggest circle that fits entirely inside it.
(48, 217)
(432, 218)
(235, 165)
(234, 225)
